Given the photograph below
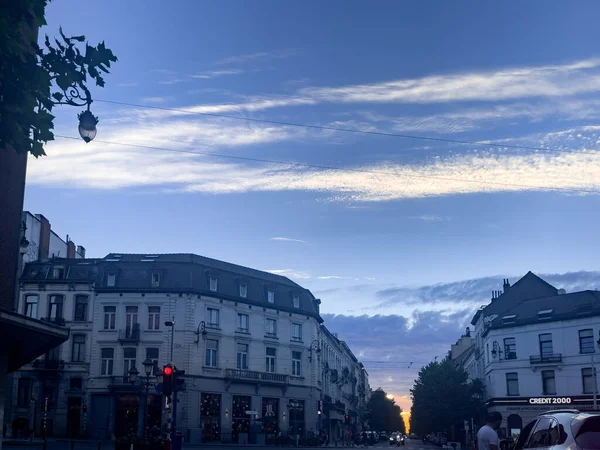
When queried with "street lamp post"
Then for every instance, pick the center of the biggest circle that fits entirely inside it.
(171, 323)
(145, 383)
(496, 352)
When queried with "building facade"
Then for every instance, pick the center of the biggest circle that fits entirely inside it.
(250, 344)
(535, 350)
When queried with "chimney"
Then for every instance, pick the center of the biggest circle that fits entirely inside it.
(70, 249)
(44, 241)
(468, 332)
(506, 285)
(81, 250)
(316, 303)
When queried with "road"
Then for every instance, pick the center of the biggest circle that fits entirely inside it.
(107, 445)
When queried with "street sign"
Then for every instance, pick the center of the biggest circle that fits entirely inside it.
(252, 413)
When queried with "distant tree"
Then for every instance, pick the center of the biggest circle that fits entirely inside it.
(383, 413)
(443, 398)
(33, 80)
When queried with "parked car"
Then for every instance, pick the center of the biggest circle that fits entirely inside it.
(561, 429)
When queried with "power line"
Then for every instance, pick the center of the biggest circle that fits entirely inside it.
(327, 167)
(350, 130)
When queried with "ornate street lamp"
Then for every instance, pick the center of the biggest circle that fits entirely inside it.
(87, 125)
(133, 373)
(78, 95)
(148, 366)
(314, 347)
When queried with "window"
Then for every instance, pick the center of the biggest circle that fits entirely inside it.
(24, 392)
(58, 273)
(524, 435)
(56, 307)
(548, 382)
(110, 313)
(243, 290)
(587, 380)
(544, 314)
(213, 317)
(107, 362)
(271, 296)
(155, 279)
(243, 322)
(271, 327)
(510, 348)
(78, 351)
(31, 304)
(111, 279)
(153, 317)
(296, 299)
(541, 435)
(271, 354)
(76, 383)
(546, 345)
(131, 319)
(512, 383)
(213, 284)
(296, 332)
(586, 341)
(242, 356)
(152, 354)
(129, 355)
(296, 363)
(212, 348)
(81, 304)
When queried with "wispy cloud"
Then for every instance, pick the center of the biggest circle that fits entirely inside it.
(291, 273)
(218, 73)
(173, 81)
(430, 218)
(254, 57)
(156, 99)
(333, 277)
(285, 239)
(129, 84)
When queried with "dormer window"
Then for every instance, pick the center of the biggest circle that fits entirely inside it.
(509, 318)
(58, 273)
(212, 281)
(296, 299)
(271, 296)
(155, 279)
(111, 279)
(243, 290)
(149, 258)
(113, 257)
(544, 314)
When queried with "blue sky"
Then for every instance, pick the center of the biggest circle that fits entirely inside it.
(401, 214)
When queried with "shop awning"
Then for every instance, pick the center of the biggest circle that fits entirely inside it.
(24, 339)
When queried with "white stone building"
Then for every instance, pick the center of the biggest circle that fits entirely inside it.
(44, 243)
(535, 349)
(247, 341)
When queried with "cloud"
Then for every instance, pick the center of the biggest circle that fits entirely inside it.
(129, 84)
(285, 239)
(291, 273)
(218, 73)
(156, 99)
(505, 84)
(477, 291)
(430, 218)
(254, 57)
(173, 81)
(333, 277)
(389, 343)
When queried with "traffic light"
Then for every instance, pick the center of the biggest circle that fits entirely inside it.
(84, 409)
(319, 407)
(347, 418)
(168, 379)
(179, 384)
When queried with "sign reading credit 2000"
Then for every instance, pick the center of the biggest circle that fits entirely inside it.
(550, 400)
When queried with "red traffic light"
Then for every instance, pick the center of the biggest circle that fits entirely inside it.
(167, 370)
(84, 408)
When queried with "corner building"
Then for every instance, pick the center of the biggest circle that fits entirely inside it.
(248, 341)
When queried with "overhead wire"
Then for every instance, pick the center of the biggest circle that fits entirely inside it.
(336, 168)
(350, 130)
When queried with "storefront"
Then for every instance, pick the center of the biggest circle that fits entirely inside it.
(240, 419)
(210, 416)
(517, 412)
(297, 417)
(270, 414)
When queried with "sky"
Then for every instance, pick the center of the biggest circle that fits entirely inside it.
(401, 230)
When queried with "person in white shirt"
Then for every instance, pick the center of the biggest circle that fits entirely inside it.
(487, 437)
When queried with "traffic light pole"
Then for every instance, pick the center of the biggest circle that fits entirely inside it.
(174, 408)
(168, 442)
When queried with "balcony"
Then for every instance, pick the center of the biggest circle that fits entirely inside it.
(252, 376)
(54, 320)
(552, 358)
(130, 335)
(48, 364)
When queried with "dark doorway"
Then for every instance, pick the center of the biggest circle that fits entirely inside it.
(241, 420)
(100, 415)
(73, 416)
(126, 415)
(20, 428)
(210, 413)
(154, 411)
